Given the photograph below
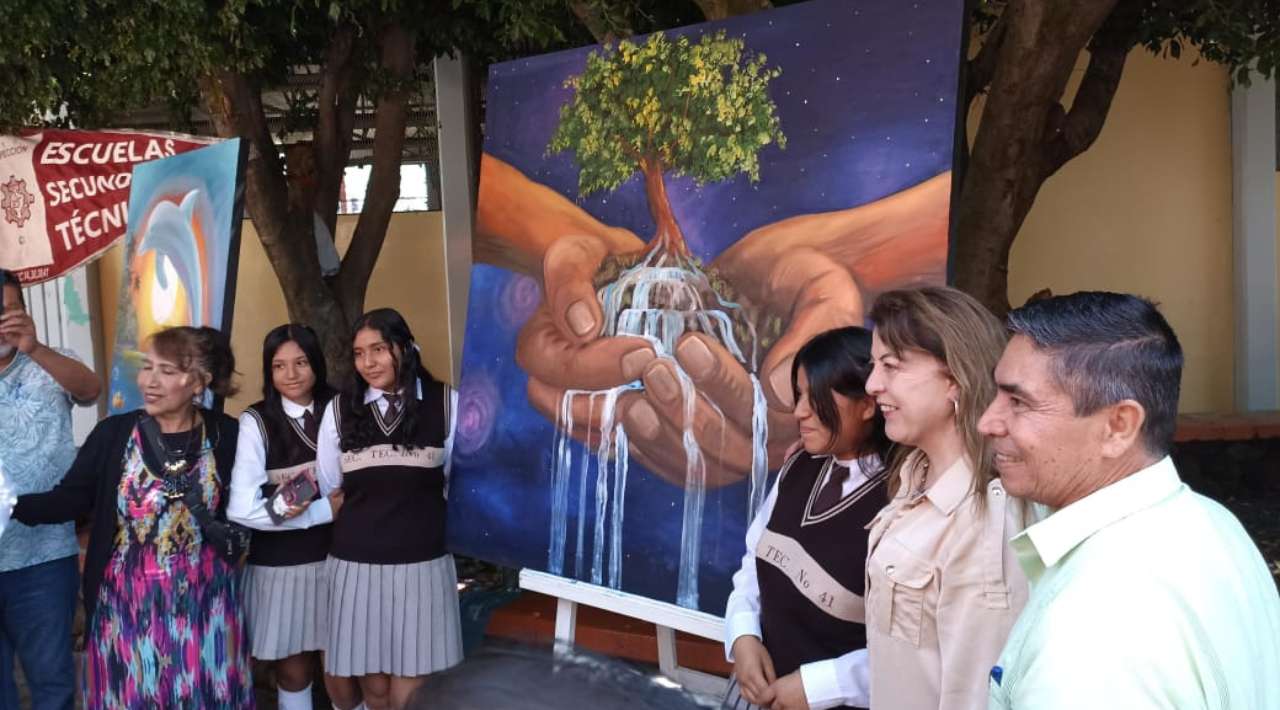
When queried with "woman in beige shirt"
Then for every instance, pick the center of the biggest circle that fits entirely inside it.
(943, 587)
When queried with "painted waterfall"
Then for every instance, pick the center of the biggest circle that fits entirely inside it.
(661, 224)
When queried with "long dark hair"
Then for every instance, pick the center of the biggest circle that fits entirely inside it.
(839, 360)
(357, 422)
(309, 343)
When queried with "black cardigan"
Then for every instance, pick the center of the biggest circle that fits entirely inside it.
(92, 486)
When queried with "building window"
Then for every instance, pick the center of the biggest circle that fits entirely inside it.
(415, 189)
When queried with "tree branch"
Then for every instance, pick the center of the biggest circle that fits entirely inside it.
(982, 68)
(589, 14)
(332, 138)
(1042, 44)
(397, 61)
(235, 106)
(720, 9)
(1070, 133)
(236, 109)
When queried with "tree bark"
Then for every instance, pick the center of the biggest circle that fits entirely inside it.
(336, 110)
(287, 235)
(398, 58)
(1013, 152)
(589, 15)
(667, 232)
(720, 9)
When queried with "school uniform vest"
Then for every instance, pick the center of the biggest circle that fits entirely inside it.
(289, 452)
(810, 566)
(394, 507)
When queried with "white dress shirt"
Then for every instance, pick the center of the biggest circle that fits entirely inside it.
(247, 505)
(329, 442)
(830, 683)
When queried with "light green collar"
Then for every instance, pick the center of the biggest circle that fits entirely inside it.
(1044, 544)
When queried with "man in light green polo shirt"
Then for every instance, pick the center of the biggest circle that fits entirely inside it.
(1144, 594)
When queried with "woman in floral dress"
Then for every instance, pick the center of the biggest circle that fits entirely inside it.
(162, 570)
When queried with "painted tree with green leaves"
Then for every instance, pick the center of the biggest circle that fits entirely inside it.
(700, 109)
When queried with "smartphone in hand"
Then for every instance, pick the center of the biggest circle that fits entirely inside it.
(293, 493)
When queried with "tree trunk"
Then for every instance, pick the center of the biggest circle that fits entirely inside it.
(1025, 135)
(286, 227)
(398, 57)
(287, 235)
(667, 234)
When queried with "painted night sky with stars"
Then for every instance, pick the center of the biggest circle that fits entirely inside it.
(867, 101)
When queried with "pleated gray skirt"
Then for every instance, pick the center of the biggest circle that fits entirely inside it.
(288, 609)
(396, 619)
(733, 699)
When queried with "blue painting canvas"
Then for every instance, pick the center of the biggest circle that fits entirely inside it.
(181, 252)
(661, 224)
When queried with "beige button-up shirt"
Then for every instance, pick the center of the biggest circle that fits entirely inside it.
(943, 590)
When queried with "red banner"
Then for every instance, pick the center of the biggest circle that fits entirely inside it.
(64, 195)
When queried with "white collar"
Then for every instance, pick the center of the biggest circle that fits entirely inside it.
(863, 468)
(293, 410)
(373, 393)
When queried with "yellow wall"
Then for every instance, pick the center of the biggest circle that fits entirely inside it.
(409, 277)
(1147, 209)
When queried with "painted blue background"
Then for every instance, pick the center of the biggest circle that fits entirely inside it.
(867, 102)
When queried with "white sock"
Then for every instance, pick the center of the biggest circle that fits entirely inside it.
(295, 699)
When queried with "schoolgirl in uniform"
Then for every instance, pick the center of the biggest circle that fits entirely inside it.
(287, 595)
(794, 622)
(393, 589)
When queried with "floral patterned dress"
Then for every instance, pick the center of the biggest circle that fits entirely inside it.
(168, 631)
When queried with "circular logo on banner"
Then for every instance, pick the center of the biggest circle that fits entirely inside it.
(16, 201)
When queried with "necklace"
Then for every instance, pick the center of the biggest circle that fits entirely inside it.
(922, 484)
(175, 463)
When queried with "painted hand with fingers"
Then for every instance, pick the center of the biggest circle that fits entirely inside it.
(811, 294)
(560, 347)
(562, 350)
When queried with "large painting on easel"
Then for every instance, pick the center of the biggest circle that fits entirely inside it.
(662, 223)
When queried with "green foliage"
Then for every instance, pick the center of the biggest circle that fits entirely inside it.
(89, 61)
(697, 108)
(1240, 34)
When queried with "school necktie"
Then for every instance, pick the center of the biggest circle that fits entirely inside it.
(393, 405)
(832, 491)
(310, 425)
